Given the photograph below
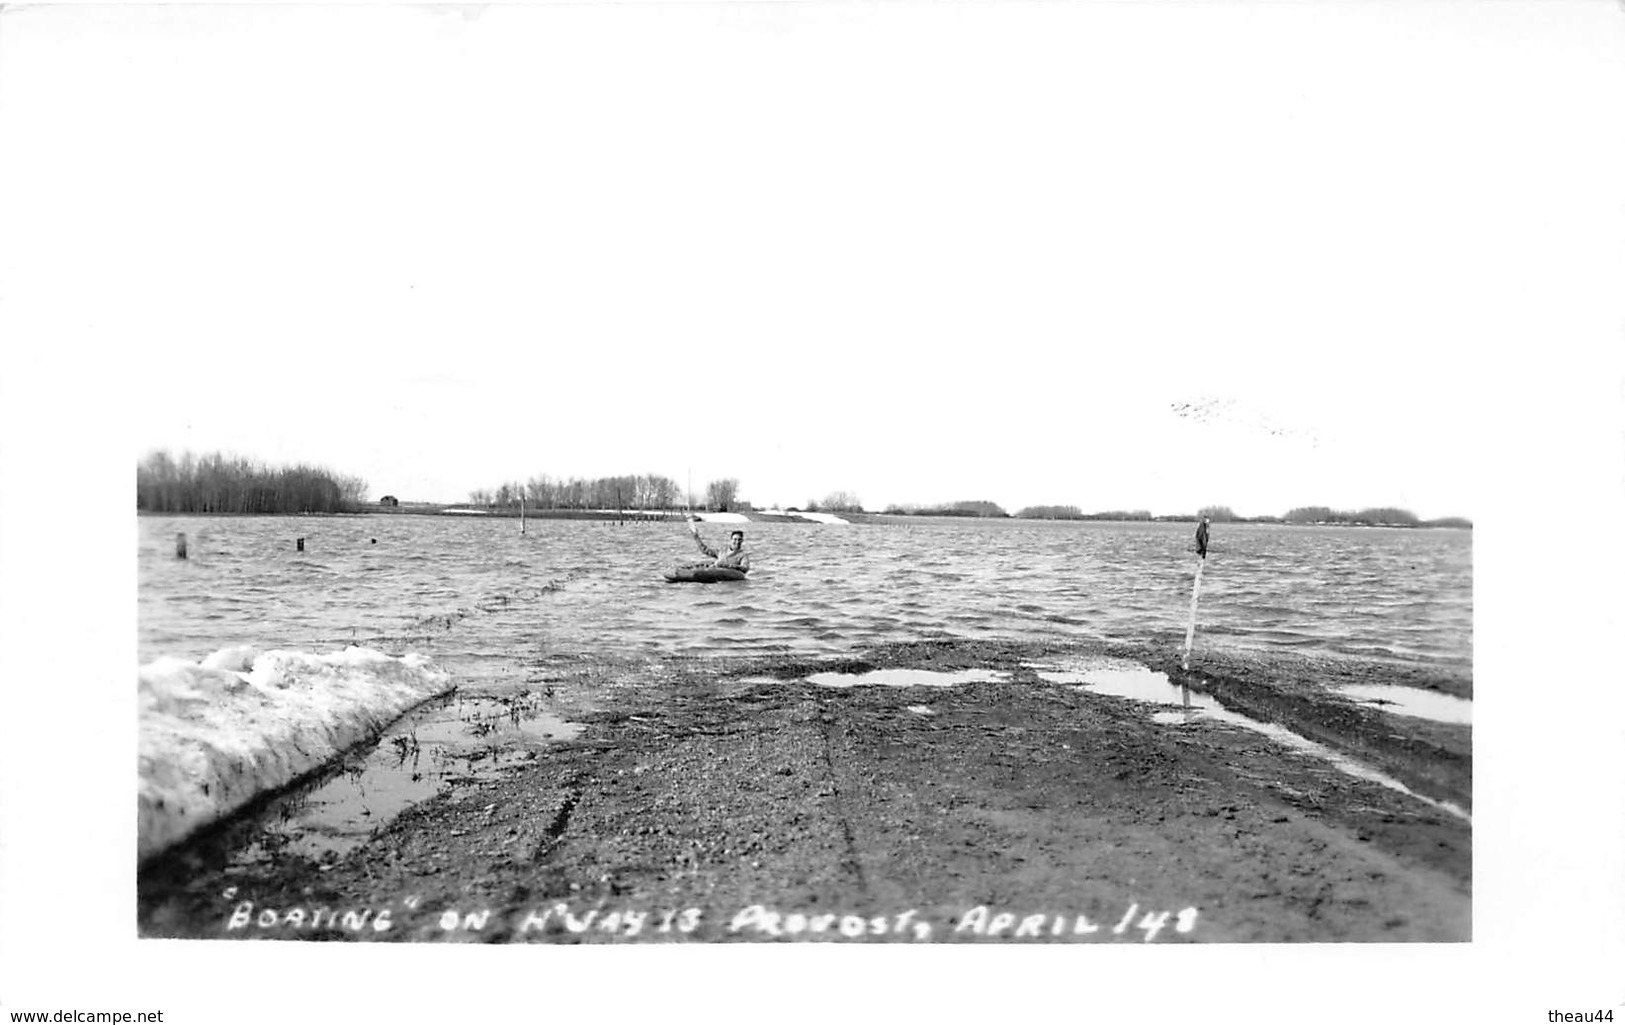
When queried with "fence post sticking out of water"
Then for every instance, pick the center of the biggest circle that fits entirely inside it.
(299, 544)
(1196, 591)
(180, 546)
(1190, 631)
(521, 515)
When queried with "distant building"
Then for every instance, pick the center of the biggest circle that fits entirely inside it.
(389, 500)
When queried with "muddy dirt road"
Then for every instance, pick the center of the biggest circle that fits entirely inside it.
(736, 801)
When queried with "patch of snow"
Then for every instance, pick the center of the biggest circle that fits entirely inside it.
(822, 517)
(809, 516)
(721, 517)
(215, 735)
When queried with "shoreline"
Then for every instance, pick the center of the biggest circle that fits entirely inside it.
(732, 800)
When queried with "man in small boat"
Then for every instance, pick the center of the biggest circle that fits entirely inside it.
(734, 558)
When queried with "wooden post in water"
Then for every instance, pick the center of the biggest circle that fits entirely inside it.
(1190, 631)
(1196, 591)
(180, 546)
(521, 515)
(299, 544)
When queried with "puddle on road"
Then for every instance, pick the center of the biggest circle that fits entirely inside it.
(440, 745)
(1412, 701)
(889, 678)
(903, 678)
(1124, 679)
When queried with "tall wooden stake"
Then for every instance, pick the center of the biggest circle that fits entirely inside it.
(521, 515)
(1190, 631)
(1196, 590)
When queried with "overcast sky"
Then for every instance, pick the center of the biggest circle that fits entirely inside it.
(921, 253)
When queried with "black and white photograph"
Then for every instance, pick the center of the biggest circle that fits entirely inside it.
(783, 510)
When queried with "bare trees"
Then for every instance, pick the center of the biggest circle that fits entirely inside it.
(1051, 512)
(217, 484)
(544, 492)
(1389, 517)
(649, 491)
(837, 501)
(721, 494)
(978, 508)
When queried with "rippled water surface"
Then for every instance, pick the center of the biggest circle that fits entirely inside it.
(474, 593)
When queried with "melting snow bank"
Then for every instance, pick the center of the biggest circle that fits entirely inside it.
(811, 517)
(216, 735)
(721, 517)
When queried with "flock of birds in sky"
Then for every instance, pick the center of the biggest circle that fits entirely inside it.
(1210, 410)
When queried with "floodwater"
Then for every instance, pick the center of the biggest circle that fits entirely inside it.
(500, 610)
(1121, 679)
(472, 592)
(1411, 701)
(902, 678)
(446, 742)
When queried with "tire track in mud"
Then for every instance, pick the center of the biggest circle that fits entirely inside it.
(850, 861)
(553, 832)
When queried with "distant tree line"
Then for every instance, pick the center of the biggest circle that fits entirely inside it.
(1385, 516)
(988, 509)
(723, 495)
(835, 502)
(647, 492)
(1318, 514)
(1051, 512)
(217, 483)
(1072, 512)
